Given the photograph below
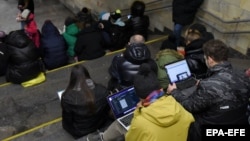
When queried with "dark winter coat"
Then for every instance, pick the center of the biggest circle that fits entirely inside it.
(195, 58)
(75, 116)
(70, 36)
(126, 65)
(3, 59)
(137, 25)
(24, 61)
(53, 47)
(89, 44)
(220, 99)
(184, 11)
(116, 35)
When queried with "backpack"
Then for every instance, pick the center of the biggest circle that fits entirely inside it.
(117, 38)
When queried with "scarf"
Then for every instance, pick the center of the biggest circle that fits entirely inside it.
(153, 96)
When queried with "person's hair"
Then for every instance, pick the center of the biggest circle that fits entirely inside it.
(191, 35)
(136, 39)
(137, 8)
(69, 20)
(145, 81)
(85, 10)
(77, 81)
(199, 27)
(216, 49)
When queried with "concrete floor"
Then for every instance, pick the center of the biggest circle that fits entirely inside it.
(34, 113)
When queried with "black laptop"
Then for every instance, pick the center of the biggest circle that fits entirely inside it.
(179, 73)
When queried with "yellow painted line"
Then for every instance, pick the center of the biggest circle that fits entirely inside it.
(108, 53)
(5, 84)
(59, 119)
(32, 129)
(157, 39)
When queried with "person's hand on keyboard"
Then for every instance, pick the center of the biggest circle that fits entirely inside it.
(171, 87)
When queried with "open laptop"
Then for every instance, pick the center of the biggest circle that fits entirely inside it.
(123, 104)
(179, 73)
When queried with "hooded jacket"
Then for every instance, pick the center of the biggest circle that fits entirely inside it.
(24, 61)
(53, 46)
(126, 65)
(90, 44)
(195, 58)
(70, 36)
(3, 58)
(138, 23)
(152, 124)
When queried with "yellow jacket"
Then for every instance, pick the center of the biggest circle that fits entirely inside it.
(163, 120)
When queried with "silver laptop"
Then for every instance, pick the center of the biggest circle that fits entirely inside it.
(179, 73)
(123, 104)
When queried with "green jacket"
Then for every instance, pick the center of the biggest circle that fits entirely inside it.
(70, 37)
(164, 57)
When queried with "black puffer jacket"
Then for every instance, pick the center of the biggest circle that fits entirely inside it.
(219, 99)
(126, 65)
(4, 55)
(137, 25)
(195, 58)
(24, 63)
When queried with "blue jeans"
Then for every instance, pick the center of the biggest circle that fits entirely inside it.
(22, 24)
(177, 32)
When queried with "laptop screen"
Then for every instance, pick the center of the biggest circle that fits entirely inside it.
(123, 102)
(178, 71)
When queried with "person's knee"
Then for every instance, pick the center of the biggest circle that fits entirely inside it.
(120, 138)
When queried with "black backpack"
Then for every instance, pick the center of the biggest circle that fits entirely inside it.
(118, 39)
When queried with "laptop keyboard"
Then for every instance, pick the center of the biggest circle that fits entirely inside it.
(127, 119)
(186, 83)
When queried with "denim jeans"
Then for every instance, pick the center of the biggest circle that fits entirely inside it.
(22, 24)
(177, 32)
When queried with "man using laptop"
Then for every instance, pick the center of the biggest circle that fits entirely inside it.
(221, 98)
(157, 116)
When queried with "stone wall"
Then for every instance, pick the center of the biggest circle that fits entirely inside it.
(228, 20)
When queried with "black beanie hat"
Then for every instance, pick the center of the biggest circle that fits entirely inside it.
(145, 81)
